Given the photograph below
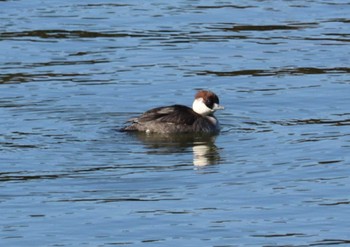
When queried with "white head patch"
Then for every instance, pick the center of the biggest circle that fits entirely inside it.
(199, 107)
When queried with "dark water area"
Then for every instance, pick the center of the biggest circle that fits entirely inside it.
(73, 72)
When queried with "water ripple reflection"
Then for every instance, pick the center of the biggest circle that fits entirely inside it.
(278, 72)
(204, 150)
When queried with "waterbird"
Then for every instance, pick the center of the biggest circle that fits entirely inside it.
(179, 118)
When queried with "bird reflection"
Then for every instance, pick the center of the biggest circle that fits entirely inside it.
(205, 152)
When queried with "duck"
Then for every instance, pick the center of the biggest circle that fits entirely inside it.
(177, 118)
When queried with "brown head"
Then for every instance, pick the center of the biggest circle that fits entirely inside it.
(206, 103)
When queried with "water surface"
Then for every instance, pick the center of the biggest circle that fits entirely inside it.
(73, 72)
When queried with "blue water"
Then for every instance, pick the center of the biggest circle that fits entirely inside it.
(73, 72)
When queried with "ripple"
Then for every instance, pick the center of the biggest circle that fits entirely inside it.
(63, 34)
(93, 5)
(8, 177)
(326, 242)
(278, 235)
(127, 199)
(224, 6)
(276, 72)
(340, 122)
(35, 77)
(335, 203)
(240, 28)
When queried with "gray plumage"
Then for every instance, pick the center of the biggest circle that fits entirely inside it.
(172, 119)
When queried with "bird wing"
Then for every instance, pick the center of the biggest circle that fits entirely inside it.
(176, 114)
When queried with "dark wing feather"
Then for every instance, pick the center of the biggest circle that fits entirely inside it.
(176, 114)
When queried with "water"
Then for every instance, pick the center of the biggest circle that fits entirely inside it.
(73, 72)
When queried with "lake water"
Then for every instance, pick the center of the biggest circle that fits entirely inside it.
(72, 72)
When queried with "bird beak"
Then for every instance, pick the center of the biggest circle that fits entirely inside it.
(218, 107)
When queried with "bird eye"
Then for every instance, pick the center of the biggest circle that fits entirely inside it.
(209, 102)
